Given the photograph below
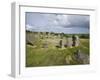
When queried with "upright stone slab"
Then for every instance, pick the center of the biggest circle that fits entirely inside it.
(38, 35)
(64, 42)
(77, 41)
(59, 36)
(60, 43)
(69, 42)
(73, 40)
(48, 34)
(30, 38)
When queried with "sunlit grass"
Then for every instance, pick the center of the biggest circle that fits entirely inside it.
(37, 55)
(53, 56)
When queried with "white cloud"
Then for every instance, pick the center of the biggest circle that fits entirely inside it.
(63, 20)
(28, 27)
(57, 23)
(57, 20)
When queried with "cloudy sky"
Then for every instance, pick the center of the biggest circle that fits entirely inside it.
(57, 23)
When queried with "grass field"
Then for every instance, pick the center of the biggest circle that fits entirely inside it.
(51, 56)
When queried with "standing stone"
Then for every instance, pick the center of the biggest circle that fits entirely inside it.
(81, 57)
(73, 40)
(77, 41)
(69, 42)
(59, 35)
(60, 43)
(64, 43)
(30, 38)
(48, 34)
(38, 35)
(45, 44)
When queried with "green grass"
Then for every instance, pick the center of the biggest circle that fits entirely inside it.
(51, 56)
(84, 46)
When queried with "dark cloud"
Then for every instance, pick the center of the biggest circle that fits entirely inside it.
(78, 21)
(57, 22)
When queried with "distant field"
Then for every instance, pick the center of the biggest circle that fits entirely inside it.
(51, 56)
